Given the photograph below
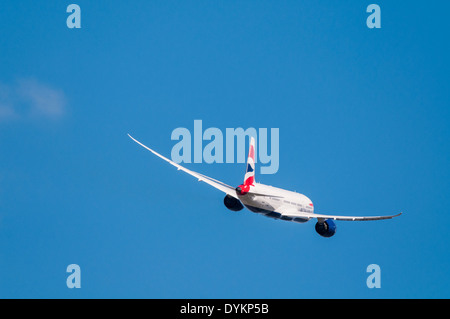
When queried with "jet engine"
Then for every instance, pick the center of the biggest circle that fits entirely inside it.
(326, 228)
(232, 203)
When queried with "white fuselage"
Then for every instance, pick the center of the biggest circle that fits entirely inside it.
(268, 200)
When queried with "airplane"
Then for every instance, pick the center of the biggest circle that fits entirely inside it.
(270, 201)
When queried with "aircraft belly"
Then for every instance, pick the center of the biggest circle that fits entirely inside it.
(262, 206)
(259, 205)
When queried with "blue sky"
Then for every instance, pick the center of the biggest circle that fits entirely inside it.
(364, 122)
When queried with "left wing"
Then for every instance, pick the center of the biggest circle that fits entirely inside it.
(202, 178)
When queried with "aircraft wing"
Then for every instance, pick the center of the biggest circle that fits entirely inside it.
(202, 178)
(335, 217)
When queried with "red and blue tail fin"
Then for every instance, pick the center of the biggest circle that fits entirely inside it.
(249, 178)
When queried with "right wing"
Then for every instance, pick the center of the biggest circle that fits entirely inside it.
(202, 178)
(354, 218)
(335, 217)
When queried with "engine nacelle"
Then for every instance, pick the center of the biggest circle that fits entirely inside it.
(232, 203)
(326, 228)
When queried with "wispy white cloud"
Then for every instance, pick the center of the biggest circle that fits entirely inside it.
(29, 98)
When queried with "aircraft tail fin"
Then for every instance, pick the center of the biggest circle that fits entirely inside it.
(249, 178)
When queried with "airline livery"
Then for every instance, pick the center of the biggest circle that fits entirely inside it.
(270, 201)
